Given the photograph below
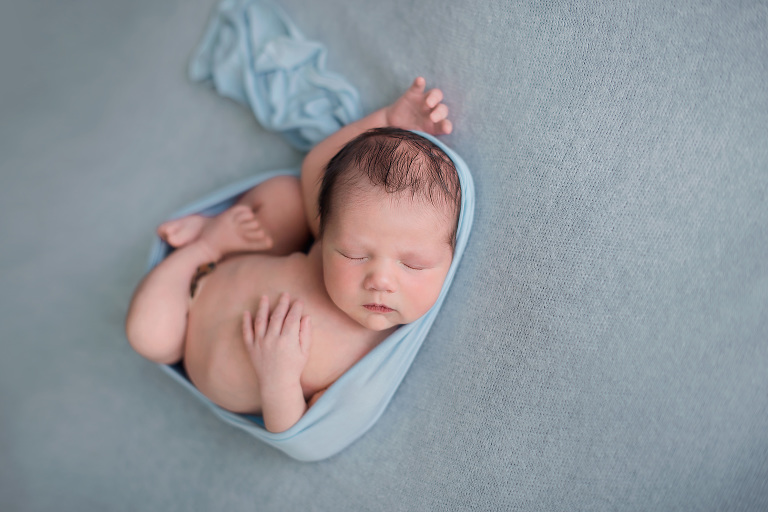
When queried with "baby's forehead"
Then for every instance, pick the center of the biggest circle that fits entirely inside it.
(404, 201)
(405, 219)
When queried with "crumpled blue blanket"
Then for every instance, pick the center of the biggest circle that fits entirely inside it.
(254, 54)
(357, 399)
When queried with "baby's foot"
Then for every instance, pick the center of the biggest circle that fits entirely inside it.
(179, 232)
(235, 230)
(420, 110)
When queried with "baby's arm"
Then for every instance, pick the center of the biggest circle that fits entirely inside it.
(414, 110)
(279, 348)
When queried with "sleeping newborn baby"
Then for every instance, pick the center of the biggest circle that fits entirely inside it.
(264, 327)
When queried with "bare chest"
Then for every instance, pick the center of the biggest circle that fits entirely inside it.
(215, 354)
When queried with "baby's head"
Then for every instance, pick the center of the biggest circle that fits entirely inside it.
(389, 207)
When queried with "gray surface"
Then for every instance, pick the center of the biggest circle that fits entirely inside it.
(604, 345)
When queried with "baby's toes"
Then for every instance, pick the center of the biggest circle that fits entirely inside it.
(162, 232)
(253, 231)
(169, 232)
(255, 234)
(242, 213)
(251, 228)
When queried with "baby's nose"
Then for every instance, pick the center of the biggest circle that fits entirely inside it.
(379, 279)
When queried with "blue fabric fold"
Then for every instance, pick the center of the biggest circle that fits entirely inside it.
(254, 54)
(357, 399)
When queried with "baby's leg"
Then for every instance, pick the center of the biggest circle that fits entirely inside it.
(156, 323)
(180, 232)
(278, 209)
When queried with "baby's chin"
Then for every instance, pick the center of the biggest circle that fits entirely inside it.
(381, 323)
(377, 324)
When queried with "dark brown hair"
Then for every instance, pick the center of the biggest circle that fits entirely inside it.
(396, 160)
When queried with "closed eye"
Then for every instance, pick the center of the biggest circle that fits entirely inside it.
(412, 267)
(353, 258)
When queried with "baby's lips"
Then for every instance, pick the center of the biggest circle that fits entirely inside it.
(381, 308)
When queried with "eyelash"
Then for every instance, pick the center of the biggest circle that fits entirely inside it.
(363, 257)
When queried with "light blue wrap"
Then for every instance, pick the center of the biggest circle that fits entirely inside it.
(254, 54)
(356, 400)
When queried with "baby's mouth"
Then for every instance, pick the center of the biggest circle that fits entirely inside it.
(378, 308)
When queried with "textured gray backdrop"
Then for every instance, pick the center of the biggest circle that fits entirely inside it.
(603, 347)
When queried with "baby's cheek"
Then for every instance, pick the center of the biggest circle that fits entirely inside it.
(426, 295)
(331, 281)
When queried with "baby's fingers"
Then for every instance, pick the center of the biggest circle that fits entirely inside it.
(248, 329)
(444, 127)
(262, 318)
(434, 97)
(419, 84)
(277, 318)
(439, 113)
(292, 320)
(305, 334)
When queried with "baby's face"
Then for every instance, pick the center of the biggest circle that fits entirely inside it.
(385, 257)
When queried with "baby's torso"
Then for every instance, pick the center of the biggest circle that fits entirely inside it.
(215, 356)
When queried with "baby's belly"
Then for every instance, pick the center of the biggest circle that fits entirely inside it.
(215, 356)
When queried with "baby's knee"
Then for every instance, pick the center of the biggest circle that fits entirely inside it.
(286, 188)
(282, 204)
(280, 190)
(146, 344)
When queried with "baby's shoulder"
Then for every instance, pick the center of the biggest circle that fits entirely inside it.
(299, 274)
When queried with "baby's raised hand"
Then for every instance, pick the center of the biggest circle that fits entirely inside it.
(420, 110)
(278, 344)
